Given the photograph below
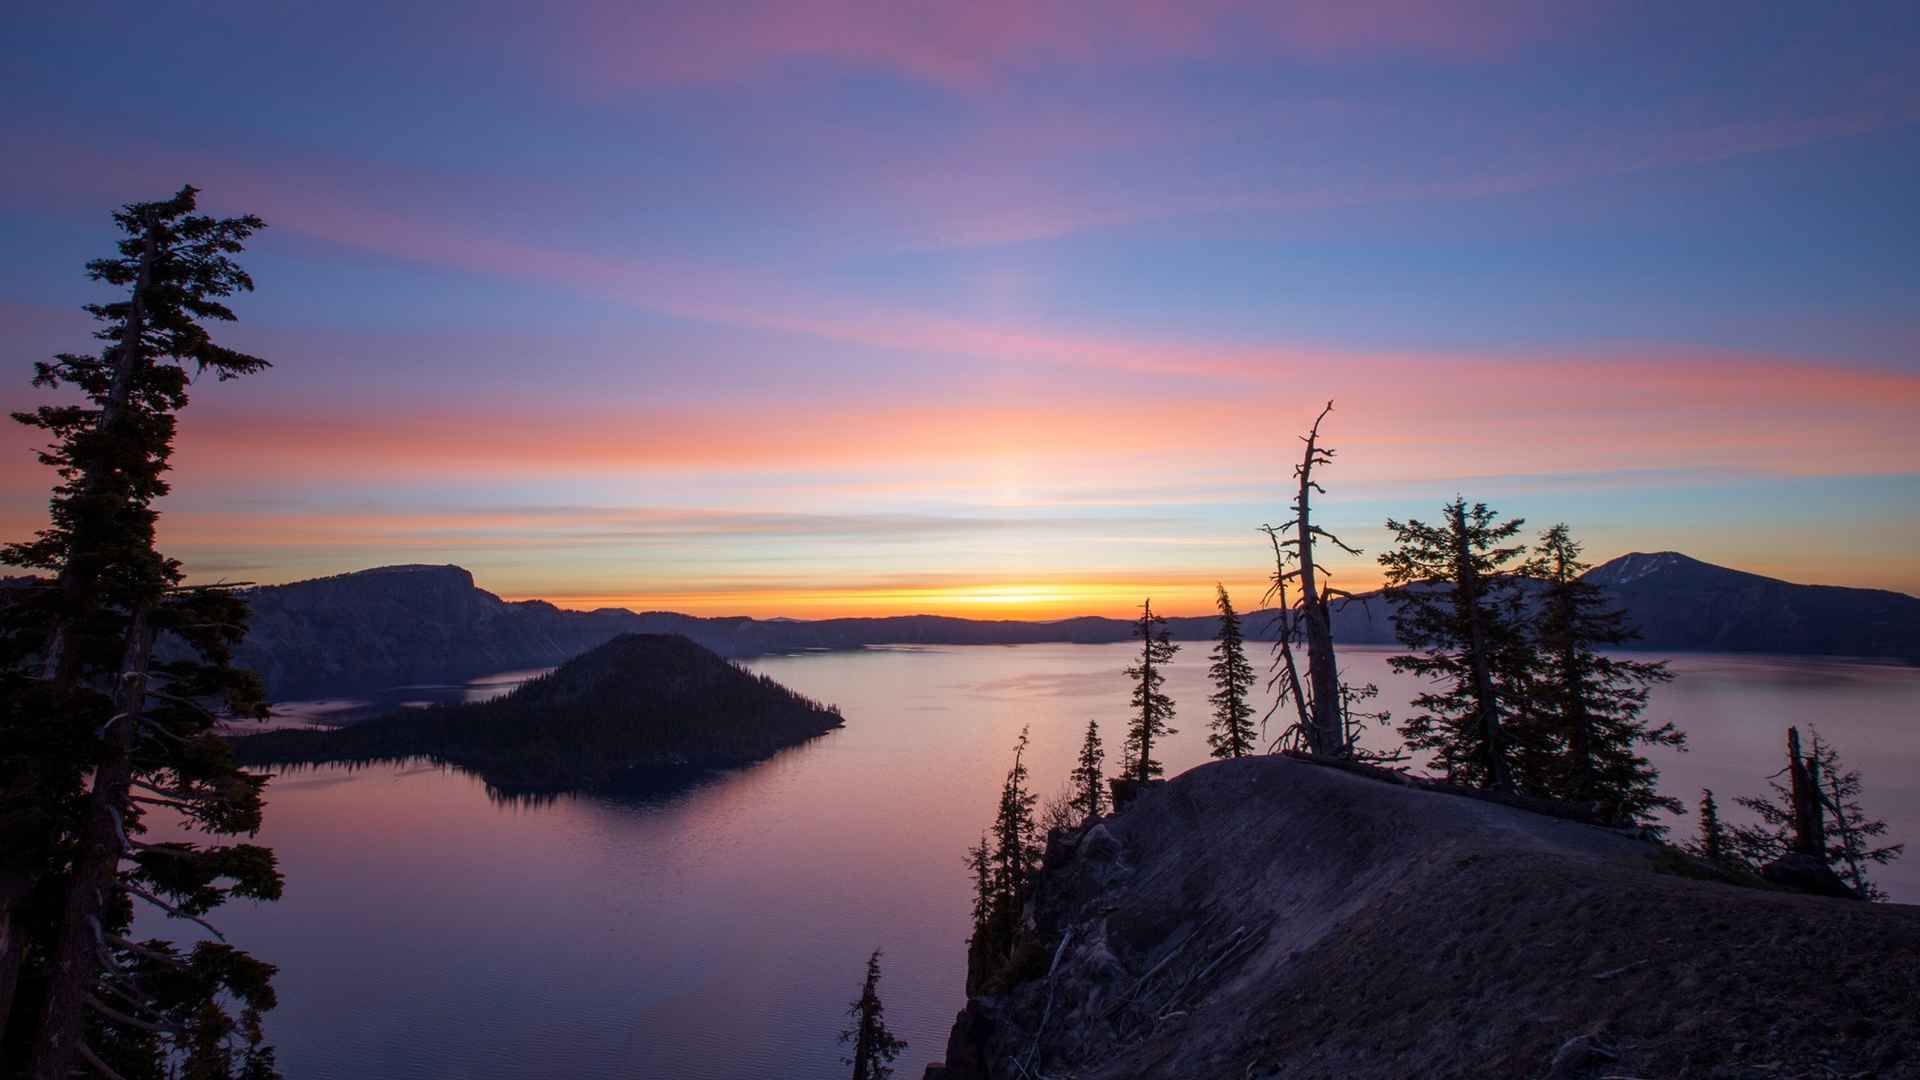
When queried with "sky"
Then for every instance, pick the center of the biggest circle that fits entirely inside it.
(995, 309)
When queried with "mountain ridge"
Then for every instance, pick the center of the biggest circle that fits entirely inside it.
(416, 623)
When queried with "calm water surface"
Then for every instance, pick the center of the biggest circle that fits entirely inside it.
(720, 931)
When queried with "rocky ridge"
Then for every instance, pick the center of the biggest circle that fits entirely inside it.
(1268, 917)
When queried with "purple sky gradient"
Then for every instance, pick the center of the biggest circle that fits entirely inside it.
(808, 308)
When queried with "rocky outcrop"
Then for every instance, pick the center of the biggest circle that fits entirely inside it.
(408, 625)
(1268, 917)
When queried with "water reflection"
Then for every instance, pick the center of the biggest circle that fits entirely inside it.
(333, 712)
(716, 928)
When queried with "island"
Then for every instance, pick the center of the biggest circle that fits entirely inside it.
(635, 709)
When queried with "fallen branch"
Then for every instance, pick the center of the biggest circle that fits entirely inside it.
(1155, 970)
(1605, 975)
(1047, 1013)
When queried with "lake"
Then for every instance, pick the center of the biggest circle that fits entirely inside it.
(720, 931)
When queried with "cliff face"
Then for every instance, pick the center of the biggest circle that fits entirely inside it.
(403, 625)
(1272, 918)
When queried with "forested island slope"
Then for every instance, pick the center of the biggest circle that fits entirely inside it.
(402, 625)
(1270, 917)
(634, 705)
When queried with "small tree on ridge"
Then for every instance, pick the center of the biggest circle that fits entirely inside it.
(1152, 707)
(1232, 734)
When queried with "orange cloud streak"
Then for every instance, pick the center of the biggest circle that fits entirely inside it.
(1396, 418)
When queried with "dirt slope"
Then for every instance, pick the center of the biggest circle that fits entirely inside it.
(1268, 917)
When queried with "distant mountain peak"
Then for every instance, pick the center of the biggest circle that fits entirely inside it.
(413, 623)
(425, 569)
(447, 571)
(1639, 564)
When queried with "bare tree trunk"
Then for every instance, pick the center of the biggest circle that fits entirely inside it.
(1292, 671)
(1573, 687)
(1809, 824)
(1493, 739)
(1580, 736)
(96, 866)
(1326, 736)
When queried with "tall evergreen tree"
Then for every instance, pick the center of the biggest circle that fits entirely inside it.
(1232, 734)
(94, 729)
(1459, 610)
(1006, 870)
(1818, 813)
(1152, 707)
(1089, 780)
(1710, 838)
(874, 1047)
(979, 863)
(1595, 702)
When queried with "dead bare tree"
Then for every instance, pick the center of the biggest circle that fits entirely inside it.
(1312, 615)
(1284, 672)
(1809, 824)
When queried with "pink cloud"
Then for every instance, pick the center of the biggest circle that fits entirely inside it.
(1424, 411)
(970, 45)
(1401, 420)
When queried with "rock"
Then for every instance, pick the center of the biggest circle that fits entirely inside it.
(1099, 845)
(1062, 845)
(1126, 789)
(1807, 874)
(966, 1047)
(1275, 914)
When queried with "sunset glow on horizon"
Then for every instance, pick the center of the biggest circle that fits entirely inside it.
(999, 310)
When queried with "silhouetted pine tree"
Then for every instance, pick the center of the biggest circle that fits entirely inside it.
(1232, 734)
(1594, 702)
(1818, 813)
(979, 860)
(1852, 837)
(1089, 781)
(1016, 854)
(1458, 608)
(874, 1047)
(1710, 838)
(82, 697)
(1152, 707)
